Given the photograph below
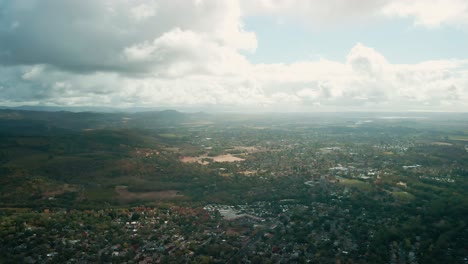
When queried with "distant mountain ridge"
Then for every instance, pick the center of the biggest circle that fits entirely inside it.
(12, 117)
(82, 108)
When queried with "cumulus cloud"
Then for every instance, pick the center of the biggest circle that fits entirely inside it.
(365, 80)
(192, 53)
(179, 53)
(431, 14)
(317, 13)
(91, 35)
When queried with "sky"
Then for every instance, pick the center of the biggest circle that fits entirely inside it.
(236, 55)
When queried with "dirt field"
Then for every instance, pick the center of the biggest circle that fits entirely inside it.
(249, 173)
(220, 158)
(441, 144)
(59, 190)
(226, 158)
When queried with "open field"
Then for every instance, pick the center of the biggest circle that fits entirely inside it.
(403, 196)
(441, 144)
(355, 184)
(459, 138)
(203, 159)
(124, 195)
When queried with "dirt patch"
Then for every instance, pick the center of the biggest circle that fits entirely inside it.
(190, 159)
(249, 172)
(203, 159)
(198, 159)
(226, 158)
(441, 144)
(125, 195)
(145, 152)
(59, 190)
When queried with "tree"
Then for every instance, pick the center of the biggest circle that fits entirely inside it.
(135, 216)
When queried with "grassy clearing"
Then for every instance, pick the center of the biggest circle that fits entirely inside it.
(30, 160)
(403, 196)
(124, 195)
(98, 194)
(170, 136)
(459, 138)
(364, 186)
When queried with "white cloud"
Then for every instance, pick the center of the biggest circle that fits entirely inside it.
(179, 53)
(318, 13)
(365, 81)
(33, 72)
(365, 60)
(143, 11)
(89, 35)
(432, 13)
(174, 52)
(314, 12)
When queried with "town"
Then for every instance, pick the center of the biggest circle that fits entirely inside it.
(260, 191)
